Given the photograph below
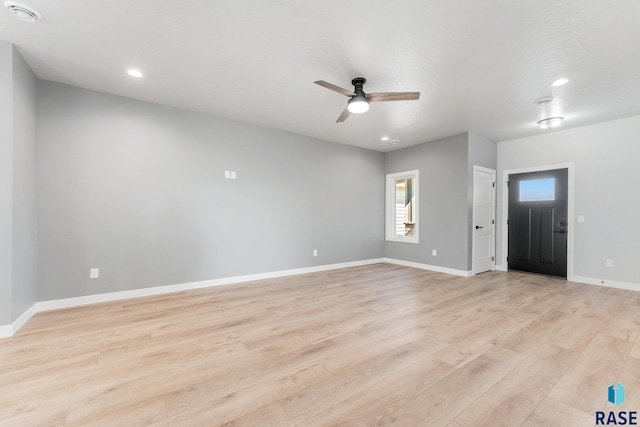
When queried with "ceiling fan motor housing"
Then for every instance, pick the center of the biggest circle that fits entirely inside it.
(358, 84)
(359, 103)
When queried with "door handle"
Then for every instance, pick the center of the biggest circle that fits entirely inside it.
(477, 226)
(560, 231)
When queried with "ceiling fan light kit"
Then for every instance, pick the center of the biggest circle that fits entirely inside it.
(358, 104)
(359, 100)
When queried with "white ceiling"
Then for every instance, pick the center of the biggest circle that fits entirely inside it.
(479, 65)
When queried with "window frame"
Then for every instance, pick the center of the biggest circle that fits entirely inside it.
(390, 223)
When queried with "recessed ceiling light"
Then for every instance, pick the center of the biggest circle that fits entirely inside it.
(550, 123)
(22, 11)
(135, 73)
(385, 138)
(559, 82)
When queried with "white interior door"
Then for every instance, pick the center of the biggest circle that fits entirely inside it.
(483, 219)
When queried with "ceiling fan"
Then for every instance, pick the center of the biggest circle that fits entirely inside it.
(359, 102)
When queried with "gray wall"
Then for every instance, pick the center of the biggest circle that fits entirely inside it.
(606, 191)
(443, 202)
(482, 152)
(138, 190)
(24, 187)
(6, 180)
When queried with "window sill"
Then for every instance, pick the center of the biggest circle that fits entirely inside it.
(413, 240)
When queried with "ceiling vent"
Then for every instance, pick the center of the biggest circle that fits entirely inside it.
(22, 11)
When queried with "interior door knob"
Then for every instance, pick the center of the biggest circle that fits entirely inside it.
(477, 226)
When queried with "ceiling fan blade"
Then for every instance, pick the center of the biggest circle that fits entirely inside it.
(345, 114)
(393, 96)
(335, 88)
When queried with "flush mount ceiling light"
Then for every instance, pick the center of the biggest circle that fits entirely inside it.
(384, 138)
(550, 123)
(135, 73)
(559, 82)
(545, 100)
(22, 11)
(395, 142)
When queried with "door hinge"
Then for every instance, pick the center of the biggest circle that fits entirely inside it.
(507, 222)
(507, 259)
(493, 184)
(493, 259)
(493, 221)
(507, 184)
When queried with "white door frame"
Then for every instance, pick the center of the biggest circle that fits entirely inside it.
(493, 219)
(570, 211)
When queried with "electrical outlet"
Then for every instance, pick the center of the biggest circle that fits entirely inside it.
(434, 252)
(227, 174)
(609, 263)
(315, 252)
(94, 273)
(233, 174)
(581, 218)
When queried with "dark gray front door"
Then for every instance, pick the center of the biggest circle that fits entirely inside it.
(538, 222)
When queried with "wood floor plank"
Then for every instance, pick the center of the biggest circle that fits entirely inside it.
(442, 402)
(198, 393)
(583, 386)
(322, 396)
(624, 324)
(635, 350)
(234, 405)
(54, 418)
(373, 345)
(630, 379)
(516, 396)
(268, 415)
(580, 330)
(135, 414)
(552, 413)
(367, 406)
(463, 351)
(530, 337)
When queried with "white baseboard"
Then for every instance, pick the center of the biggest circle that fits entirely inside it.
(10, 330)
(6, 331)
(606, 283)
(435, 268)
(159, 290)
(591, 281)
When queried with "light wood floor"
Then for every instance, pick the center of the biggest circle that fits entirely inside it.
(376, 345)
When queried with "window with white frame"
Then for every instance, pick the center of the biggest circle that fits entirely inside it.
(402, 207)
